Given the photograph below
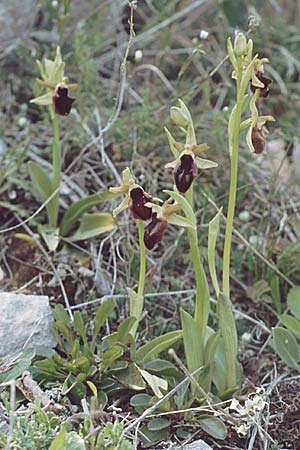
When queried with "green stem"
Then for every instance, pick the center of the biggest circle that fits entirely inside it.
(56, 162)
(137, 301)
(142, 274)
(234, 138)
(202, 289)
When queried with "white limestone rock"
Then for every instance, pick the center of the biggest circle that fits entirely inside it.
(25, 321)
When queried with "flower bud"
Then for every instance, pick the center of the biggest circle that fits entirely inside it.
(240, 45)
(179, 116)
(155, 231)
(138, 199)
(185, 172)
(258, 140)
(62, 103)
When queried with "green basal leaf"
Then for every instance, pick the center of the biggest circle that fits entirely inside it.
(136, 308)
(67, 441)
(61, 314)
(93, 225)
(65, 330)
(93, 388)
(50, 236)
(40, 180)
(275, 291)
(228, 336)
(211, 347)
(158, 423)
(286, 346)
(140, 402)
(74, 442)
(192, 341)
(79, 326)
(151, 438)
(213, 231)
(153, 348)
(293, 301)
(102, 399)
(102, 314)
(59, 441)
(213, 426)
(110, 356)
(131, 378)
(163, 368)
(76, 349)
(119, 366)
(77, 209)
(124, 329)
(292, 324)
(12, 366)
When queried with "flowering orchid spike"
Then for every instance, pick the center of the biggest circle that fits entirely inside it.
(53, 79)
(136, 199)
(257, 132)
(161, 217)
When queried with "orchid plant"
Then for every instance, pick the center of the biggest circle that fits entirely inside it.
(213, 350)
(47, 186)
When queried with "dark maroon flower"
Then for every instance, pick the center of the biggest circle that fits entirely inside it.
(258, 140)
(185, 172)
(155, 231)
(61, 101)
(264, 92)
(138, 199)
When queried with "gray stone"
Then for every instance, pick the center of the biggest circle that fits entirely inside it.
(25, 321)
(197, 445)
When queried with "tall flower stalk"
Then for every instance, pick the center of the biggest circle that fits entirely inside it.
(46, 185)
(56, 164)
(217, 350)
(247, 69)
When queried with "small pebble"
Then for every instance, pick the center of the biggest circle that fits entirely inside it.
(204, 34)
(12, 195)
(22, 122)
(138, 56)
(254, 240)
(244, 216)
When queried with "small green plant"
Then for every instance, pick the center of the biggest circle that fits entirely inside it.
(111, 438)
(35, 430)
(88, 364)
(46, 186)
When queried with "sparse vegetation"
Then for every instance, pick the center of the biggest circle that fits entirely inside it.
(175, 290)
